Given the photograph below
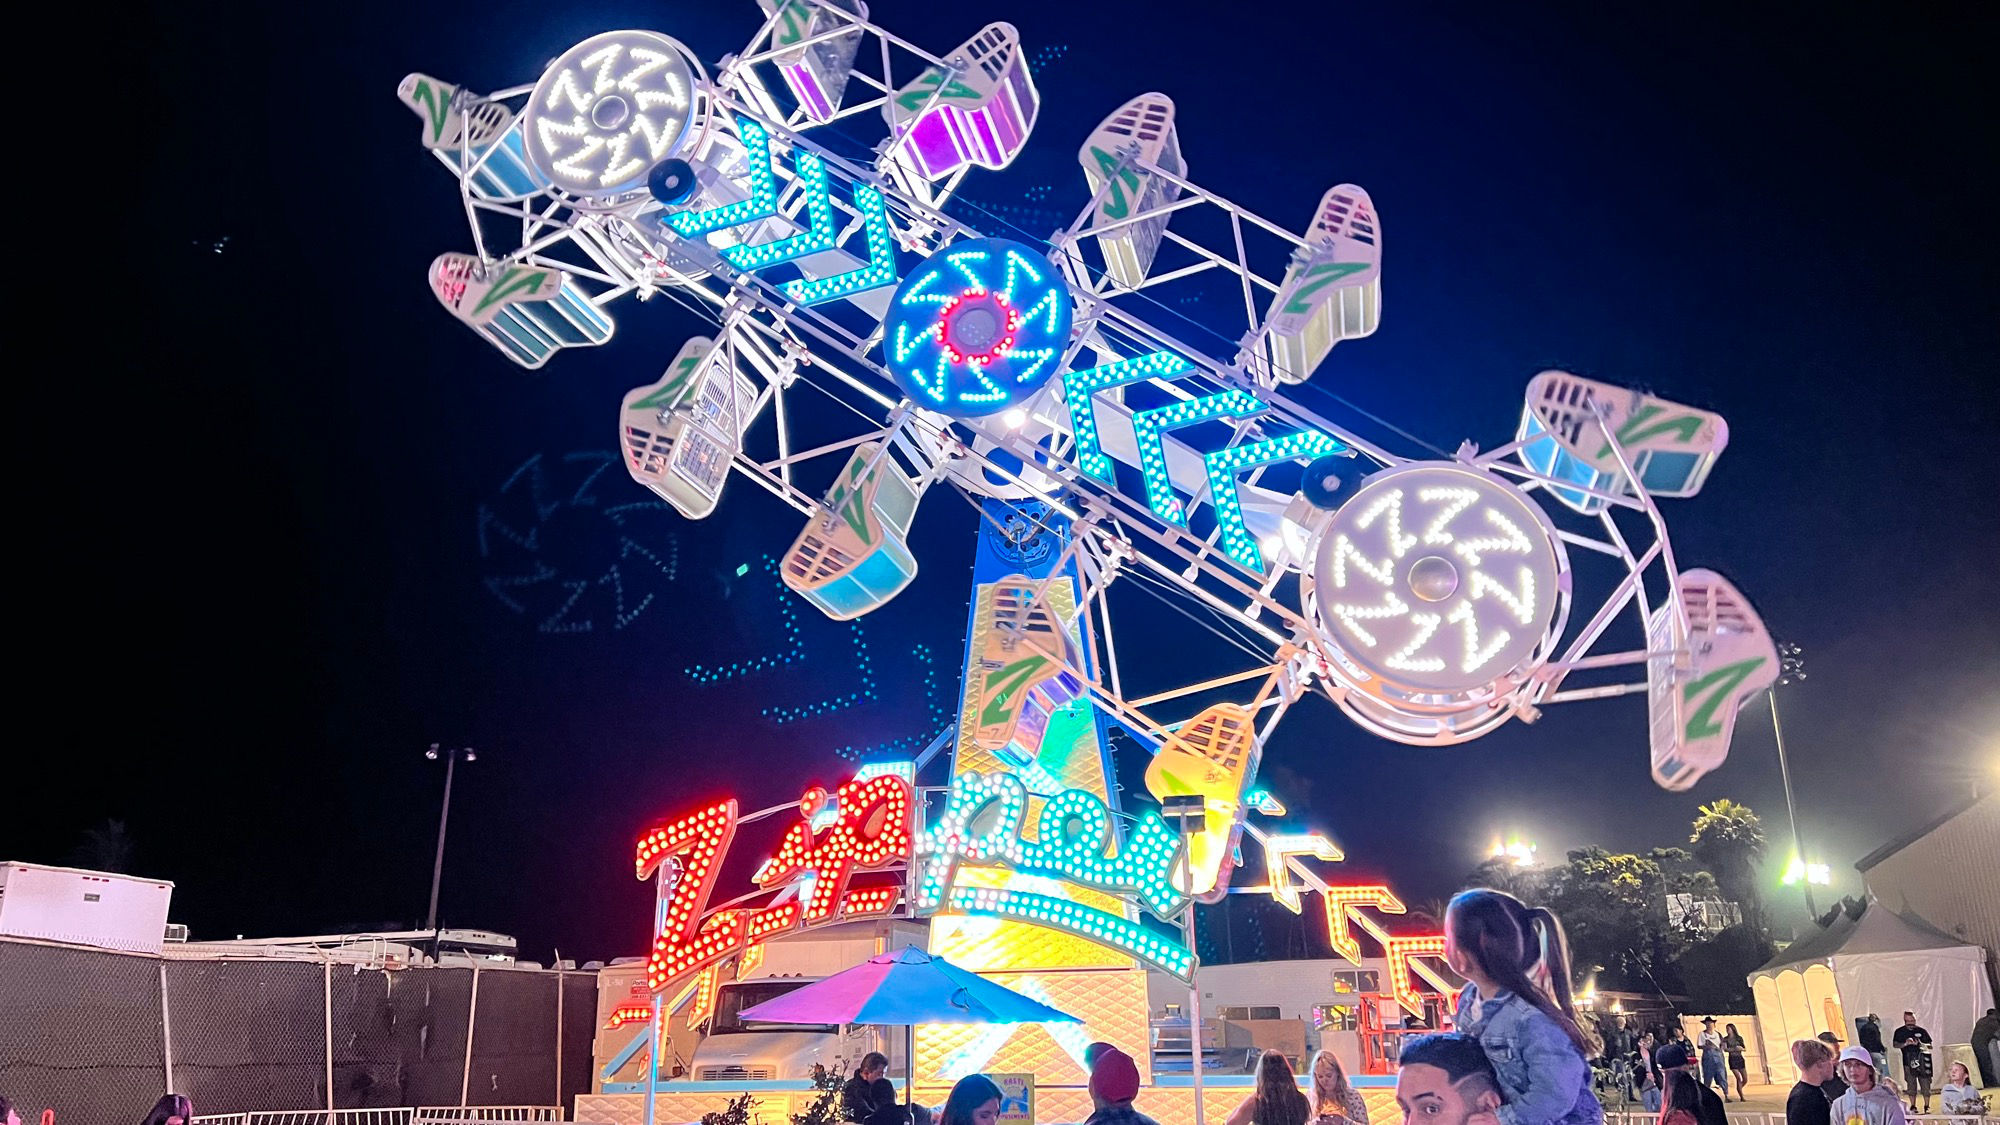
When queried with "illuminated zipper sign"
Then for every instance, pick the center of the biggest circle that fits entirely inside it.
(1220, 468)
(1074, 833)
(871, 828)
(868, 824)
(1073, 843)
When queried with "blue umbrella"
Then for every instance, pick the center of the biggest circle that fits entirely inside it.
(903, 989)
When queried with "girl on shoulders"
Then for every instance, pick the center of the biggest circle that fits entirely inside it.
(1517, 1005)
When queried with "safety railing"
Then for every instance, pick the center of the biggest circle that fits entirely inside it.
(484, 1114)
(401, 1115)
(1645, 1117)
(396, 1116)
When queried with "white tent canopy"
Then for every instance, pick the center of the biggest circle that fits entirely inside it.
(1881, 962)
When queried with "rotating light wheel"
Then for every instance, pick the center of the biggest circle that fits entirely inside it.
(608, 111)
(1438, 590)
(978, 329)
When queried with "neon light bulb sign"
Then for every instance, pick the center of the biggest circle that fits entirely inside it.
(1399, 950)
(1219, 468)
(868, 824)
(1074, 836)
(871, 829)
(1341, 904)
(822, 232)
(981, 826)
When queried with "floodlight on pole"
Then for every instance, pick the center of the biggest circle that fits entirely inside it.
(451, 758)
(1791, 669)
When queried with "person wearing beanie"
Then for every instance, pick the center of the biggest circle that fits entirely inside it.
(1114, 1082)
(1867, 1101)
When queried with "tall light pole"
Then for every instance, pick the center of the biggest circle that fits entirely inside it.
(444, 816)
(1186, 811)
(1791, 669)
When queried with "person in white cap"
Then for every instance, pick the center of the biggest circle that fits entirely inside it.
(1867, 1101)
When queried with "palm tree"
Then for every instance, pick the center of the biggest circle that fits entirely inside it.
(1430, 911)
(1728, 839)
(108, 847)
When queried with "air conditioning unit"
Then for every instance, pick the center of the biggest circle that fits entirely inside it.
(176, 932)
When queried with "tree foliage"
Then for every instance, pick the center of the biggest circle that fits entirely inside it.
(1728, 840)
(107, 847)
(1613, 907)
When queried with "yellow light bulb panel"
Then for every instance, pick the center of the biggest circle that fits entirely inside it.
(1061, 914)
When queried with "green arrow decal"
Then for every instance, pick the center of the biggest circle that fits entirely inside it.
(1116, 206)
(795, 26)
(1319, 277)
(920, 90)
(1685, 425)
(437, 106)
(670, 392)
(517, 279)
(1002, 684)
(1723, 680)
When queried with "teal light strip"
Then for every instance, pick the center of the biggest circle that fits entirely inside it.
(1083, 921)
(1080, 388)
(1148, 426)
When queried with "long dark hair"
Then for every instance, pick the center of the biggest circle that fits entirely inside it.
(971, 1092)
(1279, 1101)
(1494, 929)
(1683, 1093)
(170, 1105)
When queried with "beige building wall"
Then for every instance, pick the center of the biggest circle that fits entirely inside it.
(1950, 876)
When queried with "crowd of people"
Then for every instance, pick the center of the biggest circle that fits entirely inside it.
(1641, 1064)
(1519, 1055)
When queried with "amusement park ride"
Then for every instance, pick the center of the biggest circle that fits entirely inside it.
(1430, 600)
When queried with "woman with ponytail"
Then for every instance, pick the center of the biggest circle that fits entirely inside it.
(1517, 1004)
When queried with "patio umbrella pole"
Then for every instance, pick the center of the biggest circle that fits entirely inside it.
(904, 989)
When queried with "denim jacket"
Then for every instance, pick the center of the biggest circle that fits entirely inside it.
(1544, 1078)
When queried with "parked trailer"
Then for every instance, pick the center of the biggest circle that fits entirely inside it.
(78, 907)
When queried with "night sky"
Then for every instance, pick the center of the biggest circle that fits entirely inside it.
(268, 498)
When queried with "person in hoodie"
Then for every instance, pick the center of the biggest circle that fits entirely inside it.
(1867, 1101)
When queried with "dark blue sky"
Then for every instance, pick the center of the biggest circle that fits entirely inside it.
(251, 557)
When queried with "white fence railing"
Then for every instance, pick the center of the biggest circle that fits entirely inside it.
(484, 1114)
(402, 1115)
(1645, 1117)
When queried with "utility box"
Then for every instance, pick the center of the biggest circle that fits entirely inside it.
(83, 907)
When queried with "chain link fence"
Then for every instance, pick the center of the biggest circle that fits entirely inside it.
(98, 1035)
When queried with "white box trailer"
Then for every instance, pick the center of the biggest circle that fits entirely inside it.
(83, 907)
